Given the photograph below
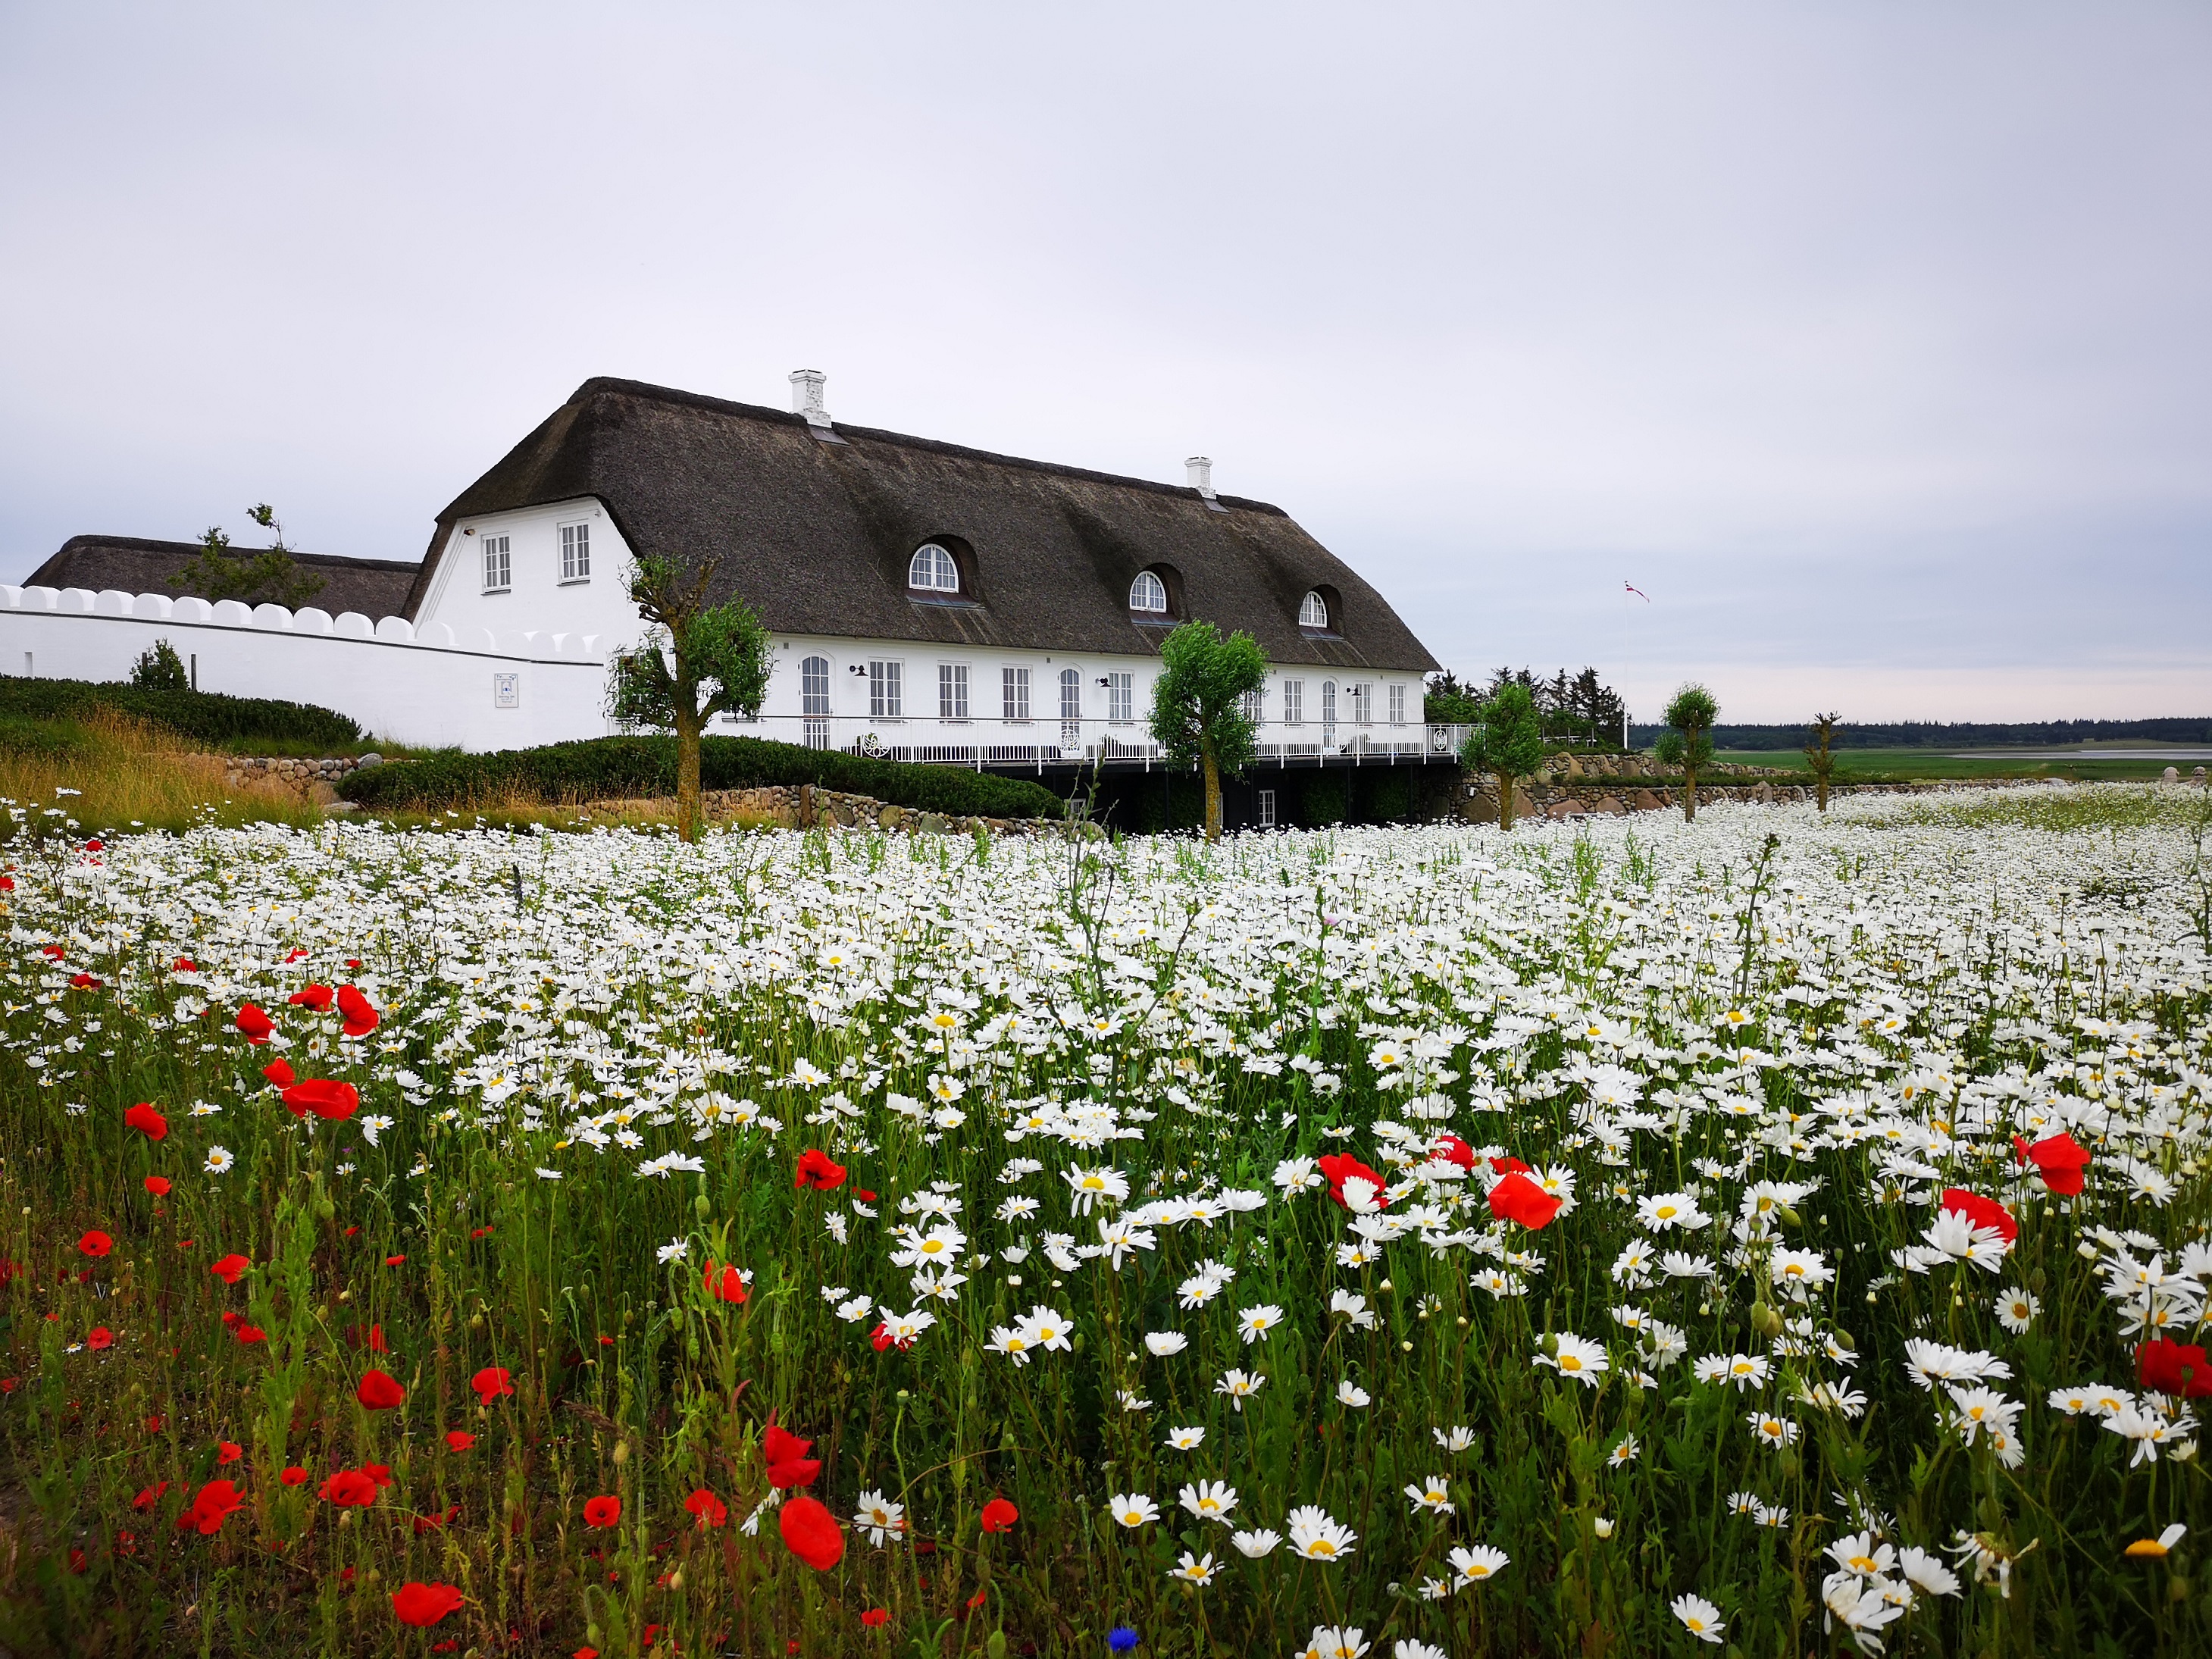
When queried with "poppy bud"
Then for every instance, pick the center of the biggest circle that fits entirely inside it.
(1765, 1321)
(1789, 1217)
(702, 1207)
(620, 1453)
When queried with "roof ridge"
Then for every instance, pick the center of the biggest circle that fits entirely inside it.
(157, 544)
(610, 383)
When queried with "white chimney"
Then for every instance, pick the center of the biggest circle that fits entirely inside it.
(1200, 469)
(806, 396)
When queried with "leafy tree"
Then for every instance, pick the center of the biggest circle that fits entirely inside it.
(1448, 701)
(696, 661)
(1689, 744)
(160, 669)
(1508, 744)
(268, 577)
(1201, 709)
(1820, 755)
(1596, 708)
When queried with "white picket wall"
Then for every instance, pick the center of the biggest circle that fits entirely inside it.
(425, 689)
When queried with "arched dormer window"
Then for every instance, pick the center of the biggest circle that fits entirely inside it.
(933, 570)
(1313, 613)
(1148, 595)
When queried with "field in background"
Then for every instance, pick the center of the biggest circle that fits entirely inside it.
(1906, 763)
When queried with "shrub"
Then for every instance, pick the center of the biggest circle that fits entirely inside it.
(207, 717)
(160, 669)
(606, 767)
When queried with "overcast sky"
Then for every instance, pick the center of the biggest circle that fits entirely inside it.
(1871, 341)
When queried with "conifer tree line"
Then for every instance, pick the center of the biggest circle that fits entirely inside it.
(1578, 708)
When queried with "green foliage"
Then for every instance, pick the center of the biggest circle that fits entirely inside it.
(207, 717)
(1821, 754)
(1324, 799)
(1447, 701)
(1199, 701)
(602, 769)
(724, 647)
(269, 575)
(1692, 714)
(160, 669)
(1510, 740)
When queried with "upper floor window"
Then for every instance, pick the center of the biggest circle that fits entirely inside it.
(576, 552)
(1313, 612)
(498, 566)
(1148, 595)
(814, 686)
(886, 690)
(934, 570)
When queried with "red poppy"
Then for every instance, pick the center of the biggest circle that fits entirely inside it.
(149, 1496)
(1341, 1167)
(811, 1533)
(158, 1185)
(96, 845)
(880, 1339)
(724, 1284)
(317, 997)
(212, 1506)
(370, 1337)
(100, 1338)
(479, 1233)
(293, 1476)
(395, 1262)
(353, 964)
(249, 1335)
(325, 1098)
(1509, 1165)
(379, 1391)
(876, 1618)
(459, 1440)
(711, 1510)
(2169, 1367)
(298, 954)
(228, 1451)
(147, 1121)
(349, 1489)
(229, 1268)
(815, 1170)
(864, 1194)
(491, 1382)
(2059, 1159)
(230, 1319)
(355, 1010)
(254, 1026)
(1516, 1198)
(52, 952)
(602, 1511)
(95, 1243)
(184, 965)
(280, 1072)
(1982, 1211)
(788, 1465)
(421, 1605)
(84, 981)
(1453, 1150)
(7, 883)
(999, 1515)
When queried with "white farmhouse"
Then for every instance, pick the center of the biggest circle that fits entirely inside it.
(926, 602)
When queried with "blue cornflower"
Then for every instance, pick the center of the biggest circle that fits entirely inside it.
(1120, 1638)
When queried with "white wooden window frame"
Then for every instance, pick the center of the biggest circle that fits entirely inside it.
(575, 537)
(886, 689)
(498, 561)
(952, 688)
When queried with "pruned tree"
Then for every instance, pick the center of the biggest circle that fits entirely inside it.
(1508, 744)
(695, 661)
(1201, 705)
(1820, 755)
(1689, 744)
(268, 576)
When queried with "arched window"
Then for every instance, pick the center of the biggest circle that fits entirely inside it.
(1328, 711)
(814, 686)
(1071, 694)
(934, 570)
(1148, 595)
(1313, 612)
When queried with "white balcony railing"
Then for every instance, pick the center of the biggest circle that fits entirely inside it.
(999, 742)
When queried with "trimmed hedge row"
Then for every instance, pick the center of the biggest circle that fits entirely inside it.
(609, 767)
(206, 716)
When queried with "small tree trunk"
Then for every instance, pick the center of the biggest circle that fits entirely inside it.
(1504, 800)
(1820, 790)
(1689, 794)
(1212, 796)
(687, 771)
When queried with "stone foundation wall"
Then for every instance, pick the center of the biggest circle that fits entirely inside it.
(313, 776)
(804, 805)
(1587, 797)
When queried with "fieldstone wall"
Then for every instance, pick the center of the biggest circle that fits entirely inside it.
(313, 776)
(1589, 797)
(804, 805)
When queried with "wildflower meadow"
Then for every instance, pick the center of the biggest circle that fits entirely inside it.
(1778, 1234)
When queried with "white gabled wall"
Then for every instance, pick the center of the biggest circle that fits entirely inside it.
(537, 599)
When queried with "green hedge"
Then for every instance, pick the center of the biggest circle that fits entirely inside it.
(206, 716)
(610, 768)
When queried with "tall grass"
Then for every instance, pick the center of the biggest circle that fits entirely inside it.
(109, 770)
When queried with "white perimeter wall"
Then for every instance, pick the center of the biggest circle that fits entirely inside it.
(440, 687)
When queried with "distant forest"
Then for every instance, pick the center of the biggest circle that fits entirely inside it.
(1940, 734)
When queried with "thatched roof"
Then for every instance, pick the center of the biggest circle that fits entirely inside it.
(374, 587)
(816, 535)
